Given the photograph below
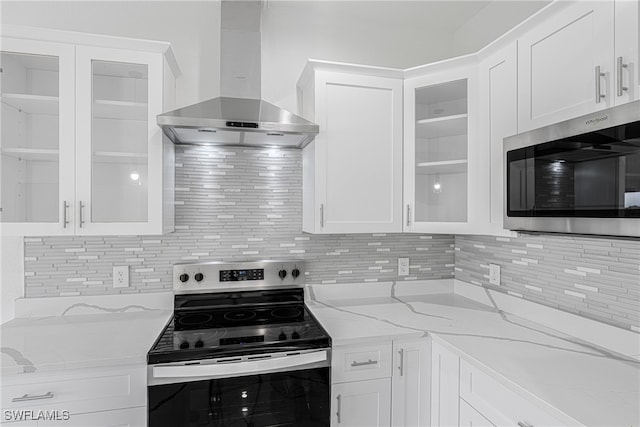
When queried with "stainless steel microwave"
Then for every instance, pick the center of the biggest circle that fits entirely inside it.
(578, 176)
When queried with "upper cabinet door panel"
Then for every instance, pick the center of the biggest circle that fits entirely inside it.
(118, 144)
(358, 153)
(627, 37)
(37, 140)
(360, 126)
(565, 66)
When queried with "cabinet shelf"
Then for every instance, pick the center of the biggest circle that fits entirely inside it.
(32, 104)
(40, 154)
(446, 166)
(121, 110)
(119, 157)
(442, 126)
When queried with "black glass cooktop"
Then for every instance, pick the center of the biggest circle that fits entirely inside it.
(220, 325)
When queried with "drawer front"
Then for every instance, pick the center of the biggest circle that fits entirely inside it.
(76, 391)
(361, 363)
(131, 417)
(499, 404)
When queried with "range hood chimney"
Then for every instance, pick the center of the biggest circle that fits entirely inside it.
(239, 117)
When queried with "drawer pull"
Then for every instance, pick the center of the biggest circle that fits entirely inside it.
(26, 397)
(523, 424)
(338, 411)
(369, 362)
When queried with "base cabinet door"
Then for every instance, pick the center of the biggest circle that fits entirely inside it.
(469, 417)
(410, 383)
(361, 403)
(445, 386)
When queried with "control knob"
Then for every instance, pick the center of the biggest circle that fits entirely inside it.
(184, 345)
(184, 277)
(199, 343)
(294, 336)
(295, 272)
(199, 277)
(282, 273)
(282, 336)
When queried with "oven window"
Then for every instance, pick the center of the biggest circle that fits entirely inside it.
(592, 175)
(294, 398)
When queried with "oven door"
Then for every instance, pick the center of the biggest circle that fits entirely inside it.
(290, 390)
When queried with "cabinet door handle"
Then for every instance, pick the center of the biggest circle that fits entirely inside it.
(523, 424)
(338, 411)
(401, 366)
(368, 362)
(26, 397)
(620, 66)
(408, 215)
(81, 214)
(65, 208)
(599, 76)
(321, 215)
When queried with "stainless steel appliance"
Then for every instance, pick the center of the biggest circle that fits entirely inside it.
(239, 117)
(242, 349)
(578, 176)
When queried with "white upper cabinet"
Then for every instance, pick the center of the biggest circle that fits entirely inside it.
(443, 162)
(581, 58)
(626, 50)
(352, 179)
(37, 141)
(497, 114)
(81, 151)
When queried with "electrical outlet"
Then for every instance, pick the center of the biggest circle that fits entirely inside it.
(121, 276)
(403, 266)
(494, 274)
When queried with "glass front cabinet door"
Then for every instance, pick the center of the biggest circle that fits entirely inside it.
(81, 151)
(119, 145)
(37, 137)
(441, 161)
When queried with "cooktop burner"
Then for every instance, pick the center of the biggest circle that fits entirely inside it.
(259, 312)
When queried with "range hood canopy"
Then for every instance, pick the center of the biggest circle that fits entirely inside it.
(239, 117)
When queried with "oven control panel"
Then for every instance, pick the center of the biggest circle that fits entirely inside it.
(221, 276)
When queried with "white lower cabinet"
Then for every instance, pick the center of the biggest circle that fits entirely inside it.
(469, 417)
(101, 397)
(410, 383)
(130, 417)
(381, 384)
(361, 403)
(464, 395)
(445, 380)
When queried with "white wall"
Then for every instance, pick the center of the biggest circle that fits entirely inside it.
(398, 34)
(192, 28)
(491, 22)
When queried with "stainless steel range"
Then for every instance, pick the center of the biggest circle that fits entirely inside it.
(241, 349)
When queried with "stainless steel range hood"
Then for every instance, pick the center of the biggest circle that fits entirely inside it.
(239, 117)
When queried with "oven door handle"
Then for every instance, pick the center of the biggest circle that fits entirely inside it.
(228, 369)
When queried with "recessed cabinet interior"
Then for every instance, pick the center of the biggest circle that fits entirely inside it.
(444, 165)
(352, 171)
(37, 151)
(81, 153)
(441, 152)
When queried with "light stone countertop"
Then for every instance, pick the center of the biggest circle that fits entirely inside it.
(574, 379)
(57, 334)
